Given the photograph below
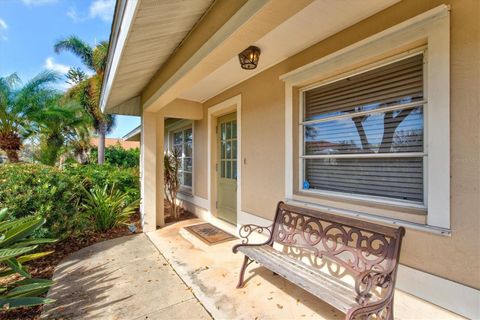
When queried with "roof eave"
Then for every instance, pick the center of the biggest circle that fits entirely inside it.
(122, 21)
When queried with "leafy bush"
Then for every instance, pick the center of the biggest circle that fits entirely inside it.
(57, 194)
(15, 249)
(120, 157)
(28, 189)
(126, 180)
(108, 207)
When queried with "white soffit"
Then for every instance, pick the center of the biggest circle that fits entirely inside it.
(158, 28)
(314, 23)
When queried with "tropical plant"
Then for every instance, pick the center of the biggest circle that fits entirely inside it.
(116, 155)
(15, 249)
(57, 193)
(170, 176)
(126, 180)
(75, 76)
(28, 189)
(56, 126)
(87, 91)
(17, 105)
(80, 144)
(108, 207)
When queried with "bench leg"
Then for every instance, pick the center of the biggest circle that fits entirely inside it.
(242, 272)
(382, 311)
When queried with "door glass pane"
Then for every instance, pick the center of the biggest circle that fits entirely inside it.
(229, 130)
(222, 168)
(234, 149)
(234, 129)
(234, 170)
(222, 147)
(228, 150)
(229, 169)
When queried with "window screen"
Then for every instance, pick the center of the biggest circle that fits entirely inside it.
(364, 135)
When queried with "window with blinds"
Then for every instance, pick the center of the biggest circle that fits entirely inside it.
(364, 135)
(183, 141)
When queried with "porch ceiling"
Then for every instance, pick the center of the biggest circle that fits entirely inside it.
(156, 30)
(317, 21)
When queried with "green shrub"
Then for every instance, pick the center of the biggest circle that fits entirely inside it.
(28, 189)
(16, 246)
(58, 194)
(118, 156)
(107, 207)
(126, 180)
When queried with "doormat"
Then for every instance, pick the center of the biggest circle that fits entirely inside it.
(210, 234)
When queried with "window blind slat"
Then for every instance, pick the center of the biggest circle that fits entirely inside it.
(412, 70)
(381, 87)
(404, 182)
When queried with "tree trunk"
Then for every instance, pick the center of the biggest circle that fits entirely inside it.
(101, 145)
(12, 156)
(361, 132)
(394, 122)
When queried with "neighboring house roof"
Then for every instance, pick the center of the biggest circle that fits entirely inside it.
(115, 142)
(134, 135)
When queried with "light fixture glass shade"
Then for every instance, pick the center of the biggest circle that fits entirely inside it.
(249, 58)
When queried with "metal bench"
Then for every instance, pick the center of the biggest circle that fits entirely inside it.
(348, 263)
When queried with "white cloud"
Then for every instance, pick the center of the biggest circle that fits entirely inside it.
(57, 67)
(72, 14)
(38, 2)
(102, 9)
(3, 27)
(3, 24)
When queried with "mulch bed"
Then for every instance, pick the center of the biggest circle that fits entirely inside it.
(184, 215)
(44, 267)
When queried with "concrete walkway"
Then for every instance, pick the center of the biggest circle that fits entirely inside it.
(124, 278)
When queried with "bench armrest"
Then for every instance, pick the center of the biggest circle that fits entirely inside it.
(369, 280)
(245, 232)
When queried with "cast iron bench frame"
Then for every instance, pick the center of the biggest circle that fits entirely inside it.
(337, 235)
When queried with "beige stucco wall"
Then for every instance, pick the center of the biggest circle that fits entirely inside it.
(263, 146)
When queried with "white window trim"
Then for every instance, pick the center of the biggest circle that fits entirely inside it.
(181, 126)
(433, 27)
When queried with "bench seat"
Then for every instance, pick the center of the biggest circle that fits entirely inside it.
(326, 287)
(368, 253)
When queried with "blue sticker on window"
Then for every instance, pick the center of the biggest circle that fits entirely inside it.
(306, 185)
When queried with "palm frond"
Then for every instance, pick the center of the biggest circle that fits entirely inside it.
(78, 47)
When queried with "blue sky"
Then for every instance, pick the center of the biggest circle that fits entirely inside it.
(29, 28)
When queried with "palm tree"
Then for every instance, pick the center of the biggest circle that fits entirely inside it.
(56, 126)
(18, 104)
(87, 91)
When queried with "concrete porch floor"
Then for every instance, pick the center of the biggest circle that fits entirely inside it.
(212, 274)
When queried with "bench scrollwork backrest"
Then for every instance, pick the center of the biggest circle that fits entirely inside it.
(356, 245)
